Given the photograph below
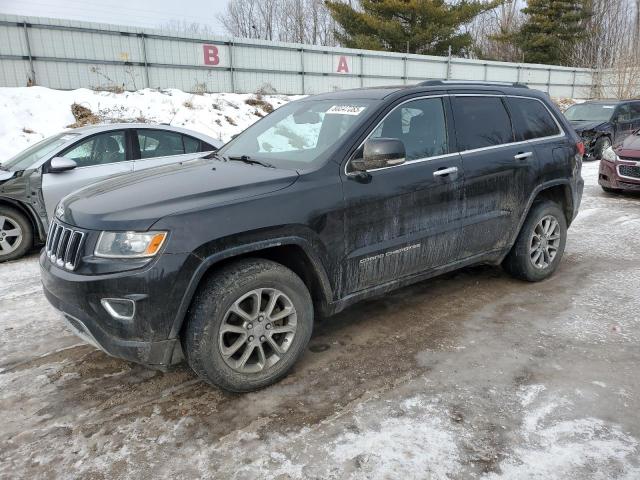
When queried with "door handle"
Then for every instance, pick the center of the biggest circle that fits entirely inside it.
(445, 171)
(522, 155)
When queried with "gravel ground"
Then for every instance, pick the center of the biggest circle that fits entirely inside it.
(472, 375)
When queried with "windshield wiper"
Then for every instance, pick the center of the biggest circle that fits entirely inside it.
(248, 159)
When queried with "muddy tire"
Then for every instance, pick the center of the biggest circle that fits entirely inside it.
(540, 244)
(16, 234)
(248, 325)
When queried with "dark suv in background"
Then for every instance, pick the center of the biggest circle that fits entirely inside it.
(327, 201)
(604, 123)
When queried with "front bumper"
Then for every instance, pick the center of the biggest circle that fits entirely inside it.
(608, 177)
(157, 291)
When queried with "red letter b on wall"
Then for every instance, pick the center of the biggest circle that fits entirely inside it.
(211, 55)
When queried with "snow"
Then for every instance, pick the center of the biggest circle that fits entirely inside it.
(556, 448)
(31, 114)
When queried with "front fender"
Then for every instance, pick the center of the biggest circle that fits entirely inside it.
(241, 250)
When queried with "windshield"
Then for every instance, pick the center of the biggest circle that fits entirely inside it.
(28, 157)
(297, 134)
(590, 112)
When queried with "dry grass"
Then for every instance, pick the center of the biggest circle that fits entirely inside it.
(564, 103)
(230, 121)
(27, 130)
(109, 88)
(260, 103)
(83, 116)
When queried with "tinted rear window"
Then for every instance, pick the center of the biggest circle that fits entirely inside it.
(531, 119)
(481, 122)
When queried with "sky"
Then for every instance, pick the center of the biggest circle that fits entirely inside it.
(143, 13)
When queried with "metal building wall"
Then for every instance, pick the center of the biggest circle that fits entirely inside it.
(66, 54)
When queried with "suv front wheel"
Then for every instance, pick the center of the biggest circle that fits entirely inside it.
(540, 244)
(248, 325)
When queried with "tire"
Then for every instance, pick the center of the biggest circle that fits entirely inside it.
(16, 234)
(524, 263)
(210, 320)
(611, 190)
(601, 145)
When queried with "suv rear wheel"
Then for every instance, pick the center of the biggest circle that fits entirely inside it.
(16, 234)
(540, 244)
(248, 325)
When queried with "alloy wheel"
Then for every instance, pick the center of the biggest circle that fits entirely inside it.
(10, 235)
(257, 330)
(545, 242)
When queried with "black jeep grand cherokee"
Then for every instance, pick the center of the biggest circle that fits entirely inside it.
(327, 201)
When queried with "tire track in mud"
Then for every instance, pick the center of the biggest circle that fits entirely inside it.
(55, 356)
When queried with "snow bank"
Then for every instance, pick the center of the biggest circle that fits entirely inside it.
(27, 115)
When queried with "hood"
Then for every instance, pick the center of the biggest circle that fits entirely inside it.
(583, 126)
(137, 200)
(630, 148)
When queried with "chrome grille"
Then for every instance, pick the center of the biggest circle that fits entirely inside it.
(629, 171)
(64, 245)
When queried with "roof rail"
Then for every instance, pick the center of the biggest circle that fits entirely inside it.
(429, 83)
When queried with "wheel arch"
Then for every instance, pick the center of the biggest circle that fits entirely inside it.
(294, 253)
(39, 230)
(558, 191)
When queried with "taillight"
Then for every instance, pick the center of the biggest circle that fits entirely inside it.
(580, 147)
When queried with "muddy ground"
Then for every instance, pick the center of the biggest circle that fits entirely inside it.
(472, 375)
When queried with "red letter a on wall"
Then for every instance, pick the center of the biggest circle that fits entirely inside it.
(343, 67)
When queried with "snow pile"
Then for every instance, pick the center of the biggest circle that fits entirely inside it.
(31, 114)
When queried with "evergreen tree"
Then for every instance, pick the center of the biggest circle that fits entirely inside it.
(551, 30)
(417, 26)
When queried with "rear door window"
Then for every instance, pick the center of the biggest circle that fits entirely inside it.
(159, 143)
(531, 119)
(481, 122)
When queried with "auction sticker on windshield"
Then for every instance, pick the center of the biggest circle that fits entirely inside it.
(346, 109)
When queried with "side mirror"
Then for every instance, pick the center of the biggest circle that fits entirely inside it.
(380, 153)
(61, 164)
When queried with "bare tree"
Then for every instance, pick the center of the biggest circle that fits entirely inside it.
(491, 32)
(247, 19)
(610, 34)
(300, 21)
(195, 28)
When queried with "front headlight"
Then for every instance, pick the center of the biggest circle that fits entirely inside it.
(609, 155)
(129, 244)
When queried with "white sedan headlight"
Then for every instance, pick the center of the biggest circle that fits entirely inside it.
(129, 244)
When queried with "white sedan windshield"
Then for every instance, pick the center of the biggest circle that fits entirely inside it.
(31, 155)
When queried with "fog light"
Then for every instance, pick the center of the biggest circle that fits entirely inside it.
(119, 308)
